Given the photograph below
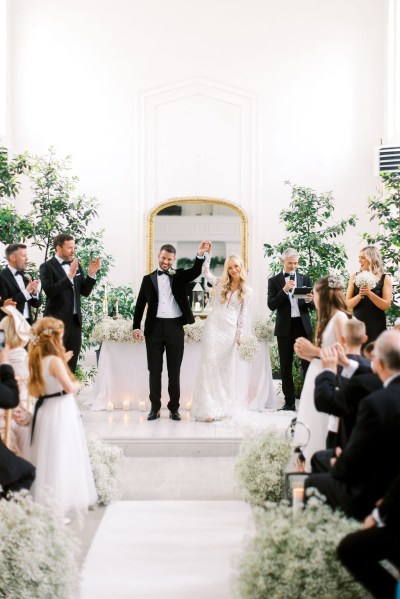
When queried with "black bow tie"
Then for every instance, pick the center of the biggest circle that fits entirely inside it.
(68, 262)
(163, 272)
(19, 272)
(287, 274)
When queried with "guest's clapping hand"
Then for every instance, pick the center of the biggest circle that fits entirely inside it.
(73, 269)
(369, 522)
(309, 298)
(33, 286)
(305, 349)
(137, 335)
(338, 453)
(9, 302)
(68, 355)
(343, 360)
(94, 266)
(329, 358)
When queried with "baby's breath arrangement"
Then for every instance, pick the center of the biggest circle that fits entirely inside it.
(248, 348)
(193, 332)
(38, 553)
(113, 329)
(264, 331)
(365, 278)
(260, 467)
(105, 460)
(295, 556)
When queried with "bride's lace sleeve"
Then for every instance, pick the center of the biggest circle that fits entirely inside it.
(245, 316)
(212, 279)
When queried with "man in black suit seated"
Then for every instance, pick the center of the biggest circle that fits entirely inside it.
(292, 318)
(16, 285)
(15, 472)
(63, 282)
(338, 393)
(361, 552)
(167, 311)
(370, 461)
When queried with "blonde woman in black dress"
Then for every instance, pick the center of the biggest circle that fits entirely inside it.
(369, 304)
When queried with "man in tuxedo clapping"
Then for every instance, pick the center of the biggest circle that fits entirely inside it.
(16, 284)
(63, 282)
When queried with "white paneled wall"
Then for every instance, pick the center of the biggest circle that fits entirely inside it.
(225, 99)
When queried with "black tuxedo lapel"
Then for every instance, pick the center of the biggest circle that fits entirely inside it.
(153, 278)
(58, 266)
(12, 279)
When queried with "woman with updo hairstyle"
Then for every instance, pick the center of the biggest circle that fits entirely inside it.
(369, 303)
(58, 446)
(332, 313)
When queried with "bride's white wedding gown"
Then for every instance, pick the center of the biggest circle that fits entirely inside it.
(317, 422)
(214, 393)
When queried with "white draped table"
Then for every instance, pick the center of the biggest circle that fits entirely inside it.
(122, 376)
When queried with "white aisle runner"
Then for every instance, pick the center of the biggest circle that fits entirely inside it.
(166, 550)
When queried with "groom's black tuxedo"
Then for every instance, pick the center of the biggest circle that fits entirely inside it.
(165, 333)
(288, 329)
(60, 295)
(9, 289)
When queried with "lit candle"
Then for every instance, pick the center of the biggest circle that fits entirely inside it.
(298, 499)
(126, 404)
(142, 405)
(116, 308)
(197, 306)
(110, 406)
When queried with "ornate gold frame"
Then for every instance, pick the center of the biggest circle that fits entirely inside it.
(194, 200)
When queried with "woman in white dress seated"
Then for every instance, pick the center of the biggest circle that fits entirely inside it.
(214, 393)
(330, 303)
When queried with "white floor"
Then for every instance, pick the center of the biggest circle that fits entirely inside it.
(166, 549)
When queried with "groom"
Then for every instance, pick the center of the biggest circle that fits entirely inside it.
(164, 292)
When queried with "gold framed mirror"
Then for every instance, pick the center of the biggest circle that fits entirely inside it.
(184, 222)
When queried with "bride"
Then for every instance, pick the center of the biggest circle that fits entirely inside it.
(332, 314)
(214, 392)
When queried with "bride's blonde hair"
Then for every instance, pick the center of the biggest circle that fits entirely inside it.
(226, 280)
(46, 340)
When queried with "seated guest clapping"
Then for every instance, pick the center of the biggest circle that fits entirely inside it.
(361, 552)
(370, 461)
(15, 472)
(342, 401)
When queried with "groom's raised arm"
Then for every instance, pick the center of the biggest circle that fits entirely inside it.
(192, 273)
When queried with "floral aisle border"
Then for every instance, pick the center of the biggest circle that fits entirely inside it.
(293, 553)
(38, 553)
(105, 460)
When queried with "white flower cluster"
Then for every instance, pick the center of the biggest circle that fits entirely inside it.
(113, 329)
(248, 348)
(295, 556)
(365, 278)
(260, 467)
(264, 331)
(194, 332)
(105, 460)
(38, 553)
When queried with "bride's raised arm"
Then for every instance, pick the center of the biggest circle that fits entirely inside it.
(207, 274)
